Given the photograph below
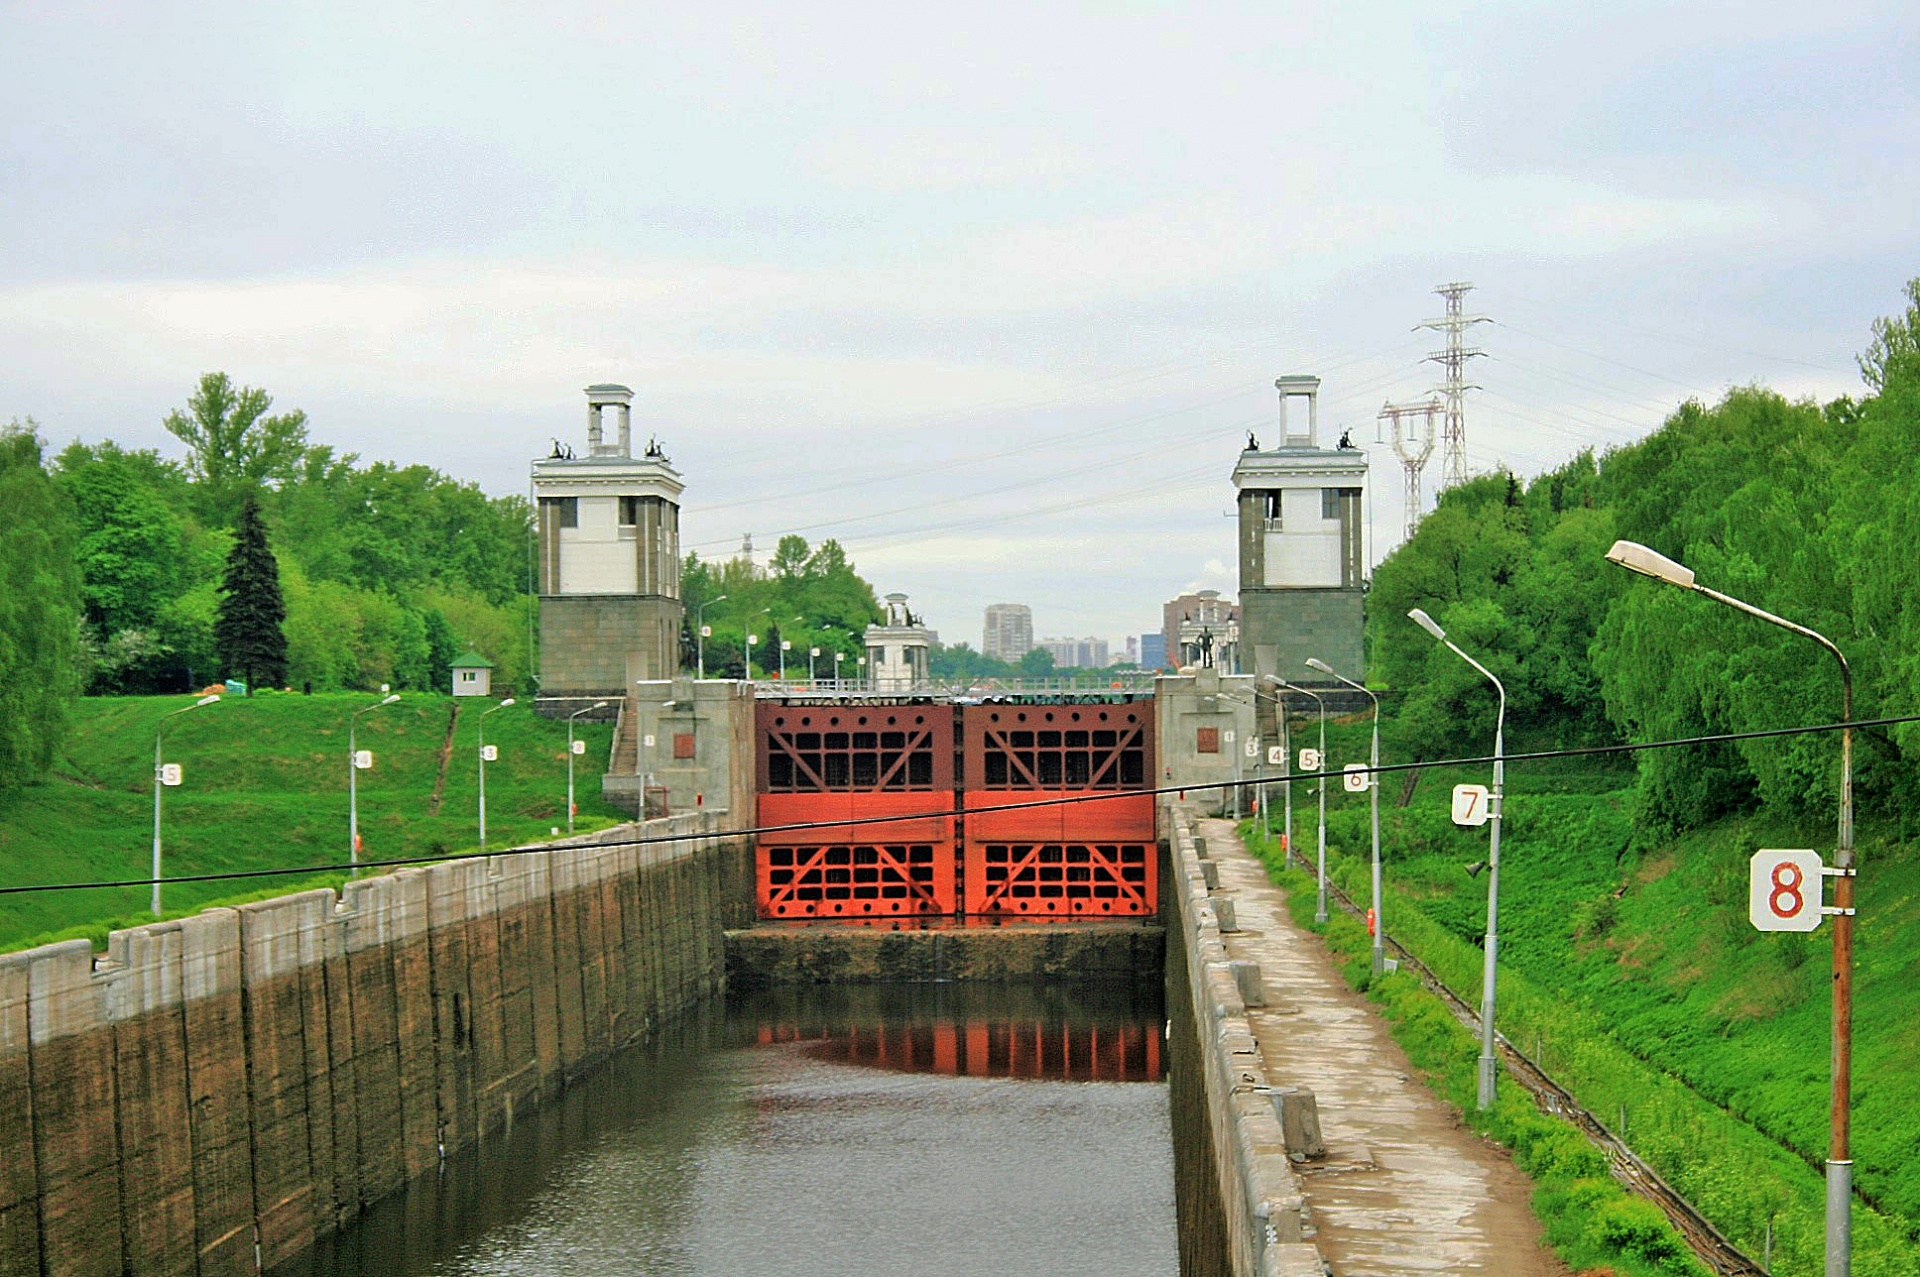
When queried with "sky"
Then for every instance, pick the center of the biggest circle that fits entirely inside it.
(991, 293)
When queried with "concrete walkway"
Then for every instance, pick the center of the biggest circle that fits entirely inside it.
(1405, 1188)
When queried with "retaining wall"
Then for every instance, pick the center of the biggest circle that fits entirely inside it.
(1269, 1228)
(216, 1092)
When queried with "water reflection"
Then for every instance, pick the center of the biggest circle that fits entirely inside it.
(847, 1131)
(1101, 1034)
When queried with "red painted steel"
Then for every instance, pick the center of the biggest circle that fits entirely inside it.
(1092, 858)
(818, 764)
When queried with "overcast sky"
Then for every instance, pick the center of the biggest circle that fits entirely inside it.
(991, 293)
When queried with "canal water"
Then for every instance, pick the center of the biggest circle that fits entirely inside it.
(959, 1129)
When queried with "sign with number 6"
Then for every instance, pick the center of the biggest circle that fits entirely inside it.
(1784, 891)
(1356, 778)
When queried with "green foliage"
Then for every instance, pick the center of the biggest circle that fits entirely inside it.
(1896, 342)
(811, 596)
(1035, 663)
(247, 633)
(38, 619)
(233, 448)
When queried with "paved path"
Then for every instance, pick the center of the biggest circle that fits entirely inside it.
(1406, 1188)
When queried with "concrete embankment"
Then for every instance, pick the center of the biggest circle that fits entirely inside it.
(216, 1092)
(1257, 1125)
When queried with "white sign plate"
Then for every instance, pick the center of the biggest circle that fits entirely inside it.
(1470, 805)
(363, 760)
(1356, 778)
(491, 753)
(1253, 747)
(579, 747)
(170, 774)
(1227, 736)
(1309, 760)
(1276, 755)
(649, 742)
(1784, 890)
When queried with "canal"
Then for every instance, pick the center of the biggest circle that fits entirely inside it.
(867, 1129)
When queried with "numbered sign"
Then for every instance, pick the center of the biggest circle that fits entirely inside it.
(490, 753)
(170, 774)
(1276, 755)
(1227, 736)
(1253, 747)
(1470, 805)
(1309, 760)
(1357, 778)
(1784, 890)
(363, 760)
(579, 747)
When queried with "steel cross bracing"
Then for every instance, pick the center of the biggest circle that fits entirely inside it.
(1413, 457)
(1453, 359)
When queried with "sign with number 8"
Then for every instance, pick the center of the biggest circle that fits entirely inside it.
(1784, 890)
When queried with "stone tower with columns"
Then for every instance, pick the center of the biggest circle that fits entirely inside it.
(1302, 546)
(609, 545)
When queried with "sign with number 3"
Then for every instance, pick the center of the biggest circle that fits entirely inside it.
(1784, 890)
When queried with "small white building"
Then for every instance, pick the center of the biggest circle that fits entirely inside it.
(898, 650)
(472, 674)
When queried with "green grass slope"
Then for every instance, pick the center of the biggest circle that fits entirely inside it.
(266, 786)
(1633, 972)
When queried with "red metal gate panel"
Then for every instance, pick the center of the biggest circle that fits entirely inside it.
(818, 765)
(1093, 857)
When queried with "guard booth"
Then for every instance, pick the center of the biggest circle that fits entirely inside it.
(820, 763)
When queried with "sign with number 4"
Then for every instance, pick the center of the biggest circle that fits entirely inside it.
(1784, 891)
(1276, 755)
(1470, 805)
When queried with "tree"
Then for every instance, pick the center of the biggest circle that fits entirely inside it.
(233, 447)
(247, 631)
(39, 622)
(1896, 340)
(1035, 663)
(441, 649)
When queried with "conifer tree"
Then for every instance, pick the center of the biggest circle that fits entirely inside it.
(247, 632)
(39, 595)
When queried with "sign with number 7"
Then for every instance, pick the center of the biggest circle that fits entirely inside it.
(1784, 891)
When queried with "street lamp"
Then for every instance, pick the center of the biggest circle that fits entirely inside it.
(163, 777)
(571, 751)
(702, 633)
(1373, 783)
(483, 768)
(1320, 900)
(786, 645)
(837, 655)
(747, 673)
(813, 654)
(353, 776)
(1638, 558)
(1489, 960)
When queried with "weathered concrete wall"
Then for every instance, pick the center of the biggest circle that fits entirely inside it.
(1185, 705)
(714, 717)
(215, 1092)
(1269, 1230)
(777, 953)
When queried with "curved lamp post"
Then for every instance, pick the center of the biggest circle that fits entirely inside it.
(159, 769)
(700, 632)
(1489, 960)
(483, 768)
(1638, 558)
(353, 777)
(1320, 899)
(1373, 784)
(570, 751)
(1286, 773)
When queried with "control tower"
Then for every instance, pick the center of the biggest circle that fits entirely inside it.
(609, 526)
(1302, 549)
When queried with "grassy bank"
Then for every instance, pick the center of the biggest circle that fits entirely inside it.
(266, 786)
(1631, 971)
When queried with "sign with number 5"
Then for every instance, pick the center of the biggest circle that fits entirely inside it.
(1784, 890)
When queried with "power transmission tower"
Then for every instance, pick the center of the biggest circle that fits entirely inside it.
(1413, 454)
(1453, 451)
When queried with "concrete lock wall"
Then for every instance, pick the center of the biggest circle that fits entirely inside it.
(1269, 1228)
(216, 1092)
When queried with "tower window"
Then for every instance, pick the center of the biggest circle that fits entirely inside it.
(629, 511)
(567, 510)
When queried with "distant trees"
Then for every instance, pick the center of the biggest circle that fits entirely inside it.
(1811, 512)
(818, 585)
(39, 615)
(247, 630)
(368, 554)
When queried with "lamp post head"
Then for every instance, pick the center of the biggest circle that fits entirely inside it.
(597, 705)
(505, 703)
(1275, 679)
(391, 699)
(1321, 665)
(1635, 557)
(718, 598)
(205, 700)
(1428, 624)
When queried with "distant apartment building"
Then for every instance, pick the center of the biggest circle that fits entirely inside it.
(1202, 629)
(1153, 651)
(1133, 650)
(1081, 653)
(1009, 632)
